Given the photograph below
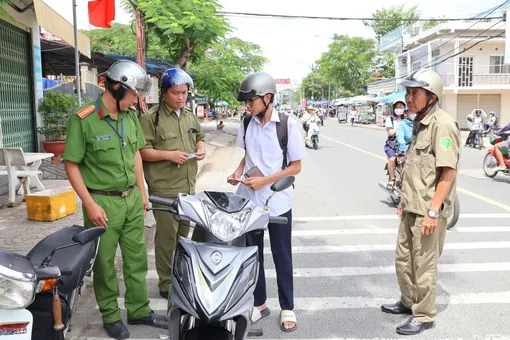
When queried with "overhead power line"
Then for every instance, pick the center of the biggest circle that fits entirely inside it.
(284, 16)
(464, 31)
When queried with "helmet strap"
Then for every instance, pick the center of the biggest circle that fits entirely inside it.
(428, 106)
(161, 98)
(117, 93)
(266, 105)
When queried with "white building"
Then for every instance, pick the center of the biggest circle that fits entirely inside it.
(470, 61)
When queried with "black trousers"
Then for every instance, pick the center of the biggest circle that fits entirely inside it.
(280, 236)
(471, 137)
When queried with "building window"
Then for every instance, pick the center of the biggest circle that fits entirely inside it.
(497, 65)
(416, 65)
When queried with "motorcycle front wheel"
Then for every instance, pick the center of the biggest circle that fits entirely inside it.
(489, 165)
(202, 332)
(315, 143)
(452, 221)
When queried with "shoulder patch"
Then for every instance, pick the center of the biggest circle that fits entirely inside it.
(86, 111)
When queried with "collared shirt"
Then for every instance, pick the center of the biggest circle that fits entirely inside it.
(94, 145)
(172, 133)
(263, 150)
(435, 145)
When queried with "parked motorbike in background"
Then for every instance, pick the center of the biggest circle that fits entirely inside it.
(490, 162)
(39, 292)
(395, 191)
(214, 280)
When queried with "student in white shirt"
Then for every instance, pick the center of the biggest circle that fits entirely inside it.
(263, 151)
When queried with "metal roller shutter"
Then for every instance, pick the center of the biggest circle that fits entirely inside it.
(466, 103)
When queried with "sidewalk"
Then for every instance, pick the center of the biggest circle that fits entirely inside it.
(19, 235)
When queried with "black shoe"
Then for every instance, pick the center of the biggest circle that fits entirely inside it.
(164, 295)
(412, 327)
(151, 319)
(116, 330)
(396, 308)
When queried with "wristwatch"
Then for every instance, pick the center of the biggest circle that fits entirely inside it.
(432, 213)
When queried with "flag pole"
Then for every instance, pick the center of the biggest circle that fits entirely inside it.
(76, 55)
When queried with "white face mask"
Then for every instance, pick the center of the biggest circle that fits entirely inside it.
(411, 116)
(399, 112)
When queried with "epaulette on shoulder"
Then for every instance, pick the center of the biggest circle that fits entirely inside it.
(86, 111)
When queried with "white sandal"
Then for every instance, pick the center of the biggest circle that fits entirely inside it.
(288, 316)
(256, 314)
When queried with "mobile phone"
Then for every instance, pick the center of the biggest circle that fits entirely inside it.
(192, 155)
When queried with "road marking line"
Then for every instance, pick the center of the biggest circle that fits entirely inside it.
(359, 302)
(386, 217)
(488, 337)
(386, 247)
(383, 270)
(464, 191)
(379, 231)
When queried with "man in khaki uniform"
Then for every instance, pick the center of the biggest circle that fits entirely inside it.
(174, 144)
(428, 193)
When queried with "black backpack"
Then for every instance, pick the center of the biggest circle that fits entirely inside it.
(281, 132)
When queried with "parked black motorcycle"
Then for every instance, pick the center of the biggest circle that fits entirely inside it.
(39, 292)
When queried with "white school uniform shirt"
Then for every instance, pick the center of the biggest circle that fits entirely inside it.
(263, 151)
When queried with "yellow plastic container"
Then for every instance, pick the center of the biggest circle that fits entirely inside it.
(51, 204)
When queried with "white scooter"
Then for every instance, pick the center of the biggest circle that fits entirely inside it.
(313, 133)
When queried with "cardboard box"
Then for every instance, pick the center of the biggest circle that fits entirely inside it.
(51, 204)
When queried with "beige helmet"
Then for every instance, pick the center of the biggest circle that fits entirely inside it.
(310, 107)
(425, 79)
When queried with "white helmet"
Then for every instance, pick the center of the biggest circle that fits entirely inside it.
(425, 79)
(129, 75)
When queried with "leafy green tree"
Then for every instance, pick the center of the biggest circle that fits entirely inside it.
(185, 27)
(384, 64)
(399, 15)
(349, 62)
(434, 22)
(223, 67)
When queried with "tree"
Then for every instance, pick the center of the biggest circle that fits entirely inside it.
(224, 65)
(399, 15)
(184, 26)
(121, 39)
(348, 61)
(384, 64)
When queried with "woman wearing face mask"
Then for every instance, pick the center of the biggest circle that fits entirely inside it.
(390, 146)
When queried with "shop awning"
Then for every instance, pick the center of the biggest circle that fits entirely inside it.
(60, 27)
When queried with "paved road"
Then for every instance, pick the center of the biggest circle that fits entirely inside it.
(344, 238)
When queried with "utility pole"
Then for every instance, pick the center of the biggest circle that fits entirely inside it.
(76, 55)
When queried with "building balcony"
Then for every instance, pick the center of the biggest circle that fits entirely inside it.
(477, 81)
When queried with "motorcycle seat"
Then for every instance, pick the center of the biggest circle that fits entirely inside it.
(73, 262)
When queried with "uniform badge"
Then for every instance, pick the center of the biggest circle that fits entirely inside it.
(105, 137)
(446, 143)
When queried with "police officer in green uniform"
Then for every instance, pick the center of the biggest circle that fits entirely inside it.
(104, 166)
(428, 193)
(174, 144)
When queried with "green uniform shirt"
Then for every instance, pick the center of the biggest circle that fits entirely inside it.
(92, 143)
(173, 133)
(435, 145)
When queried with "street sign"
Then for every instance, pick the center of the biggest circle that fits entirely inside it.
(282, 81)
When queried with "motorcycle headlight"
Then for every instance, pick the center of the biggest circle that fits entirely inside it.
(225, 226)
(17, 290)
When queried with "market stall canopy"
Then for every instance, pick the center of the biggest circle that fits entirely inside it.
(317, 102)
(400, 95)
(60, 27)
(342, 101)
(363, 99)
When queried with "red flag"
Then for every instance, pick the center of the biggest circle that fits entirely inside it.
(102, 13)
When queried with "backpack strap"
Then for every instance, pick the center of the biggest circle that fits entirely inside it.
(282, 131)
(246, 122)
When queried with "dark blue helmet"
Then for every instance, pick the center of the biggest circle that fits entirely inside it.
(175, 77)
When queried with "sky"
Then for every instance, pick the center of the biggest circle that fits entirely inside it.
(292, 45)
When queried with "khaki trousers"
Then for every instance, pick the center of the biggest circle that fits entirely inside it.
(416, 265)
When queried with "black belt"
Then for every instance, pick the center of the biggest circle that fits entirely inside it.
(112, 193)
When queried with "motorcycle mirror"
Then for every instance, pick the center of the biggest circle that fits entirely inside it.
(283, 184)
(88, 235)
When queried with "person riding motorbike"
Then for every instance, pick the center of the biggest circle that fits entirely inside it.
(492, 123)
(476, 119)
(309, 117)
(504, 145)
(390, 145)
